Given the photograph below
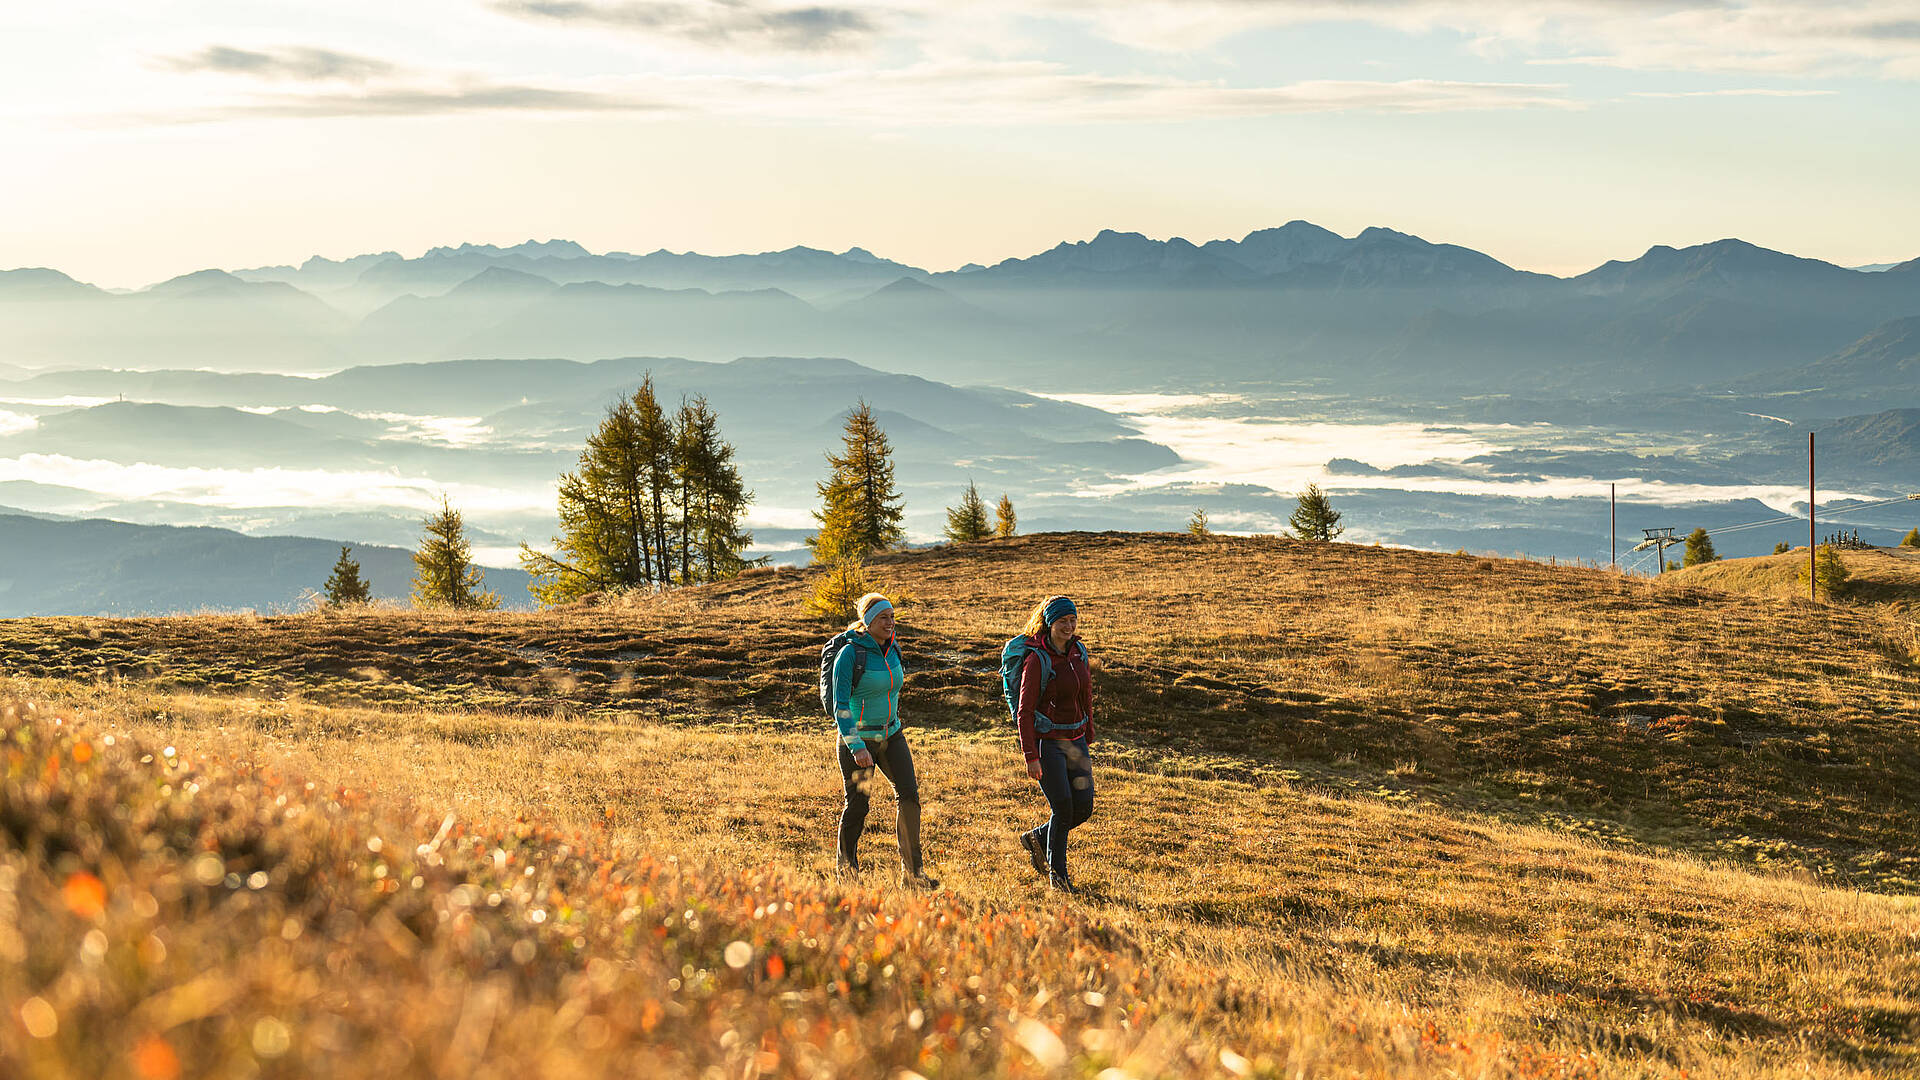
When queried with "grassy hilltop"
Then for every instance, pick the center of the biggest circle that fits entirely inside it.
(1361, 812)
(1877, 575)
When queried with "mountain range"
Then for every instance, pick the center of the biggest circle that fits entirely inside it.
(1120, 310)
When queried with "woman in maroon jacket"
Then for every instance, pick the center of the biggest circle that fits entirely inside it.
(1056, 726)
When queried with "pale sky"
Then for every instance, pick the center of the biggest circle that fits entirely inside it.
(148, 138)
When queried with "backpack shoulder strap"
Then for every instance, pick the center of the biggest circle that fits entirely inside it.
(1046, 666)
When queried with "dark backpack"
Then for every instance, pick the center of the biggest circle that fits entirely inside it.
(1013, 656)
(831, 652)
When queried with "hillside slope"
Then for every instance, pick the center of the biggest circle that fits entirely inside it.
(1722, 724)
(1348, 799)
(1879, 575)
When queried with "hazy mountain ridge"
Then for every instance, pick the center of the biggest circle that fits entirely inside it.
(1120, 310)
(1886, 359)
(94, 567)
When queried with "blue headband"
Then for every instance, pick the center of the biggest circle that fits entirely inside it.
(1058, 608)
(873, 611)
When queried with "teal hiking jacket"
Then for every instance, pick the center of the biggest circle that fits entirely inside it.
(870, 710)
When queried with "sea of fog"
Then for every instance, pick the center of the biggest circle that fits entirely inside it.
(1277, 449)
(1280, 445)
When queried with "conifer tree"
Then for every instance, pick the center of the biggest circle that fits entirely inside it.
(346, 586)
(444, 574)
(606, 536)
(1911, 540)
(657, 451)
(1782, 548)
(712, 497)
(1699, 549)
(1829, 573)
(656, 501)
(1005, 524)
(968, 521)
(860, 509)
(839, 588)
(1315, 518)
(1197, 524)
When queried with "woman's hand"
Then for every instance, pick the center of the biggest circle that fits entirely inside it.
(1033, 770)
(862, 758)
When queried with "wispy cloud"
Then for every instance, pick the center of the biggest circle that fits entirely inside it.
(420, 101)
(918, 78)
(1007, 92)
(738, 24)
(291, 63)
(1786, 37)
(1748, 92)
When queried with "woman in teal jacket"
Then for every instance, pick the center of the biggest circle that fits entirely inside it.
(867, 712)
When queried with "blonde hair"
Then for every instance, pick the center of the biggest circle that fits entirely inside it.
(1037, 622)
(860, 607)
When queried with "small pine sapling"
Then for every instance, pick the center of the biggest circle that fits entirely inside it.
(346, 586)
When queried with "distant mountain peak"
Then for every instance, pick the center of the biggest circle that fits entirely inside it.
(321, 262)
(39, 282)
(503, 279)
(1381, 232)
(904, 285)
(1729, 260)
(1297, 228)
(199, 279)
(533, 249)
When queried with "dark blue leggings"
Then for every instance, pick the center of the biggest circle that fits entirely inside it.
(1066, 776)
(895, 762)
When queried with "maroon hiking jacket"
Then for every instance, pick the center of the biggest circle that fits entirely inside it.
(1068, 698)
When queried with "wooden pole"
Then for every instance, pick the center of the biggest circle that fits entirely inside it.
(1613, 524)
(1813, 567)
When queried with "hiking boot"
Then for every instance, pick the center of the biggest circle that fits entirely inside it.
(846, 869)
(918, 880)
(1062, 883)
(1035, 853)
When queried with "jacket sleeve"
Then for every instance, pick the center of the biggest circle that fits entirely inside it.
(843, 698)
(1088, 703)
(1030, 685)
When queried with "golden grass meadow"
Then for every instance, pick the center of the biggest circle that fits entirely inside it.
(1361, 812)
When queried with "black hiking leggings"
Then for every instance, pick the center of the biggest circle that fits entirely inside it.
(896, 762)
(1066, 777)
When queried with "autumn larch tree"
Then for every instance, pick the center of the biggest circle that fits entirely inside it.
(860, 509)
(655, 501)
(444, 574)
(1005, 524)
